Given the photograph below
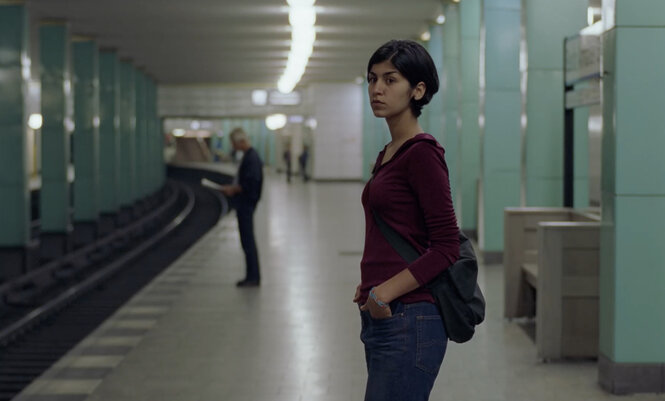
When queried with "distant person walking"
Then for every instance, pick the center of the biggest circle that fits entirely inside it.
(404, 337)
(287, 161)
(302, 160)
(244, 195)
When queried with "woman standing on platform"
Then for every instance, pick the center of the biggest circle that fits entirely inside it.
(404, 337)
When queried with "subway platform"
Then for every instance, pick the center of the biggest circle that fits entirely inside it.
(192, 335)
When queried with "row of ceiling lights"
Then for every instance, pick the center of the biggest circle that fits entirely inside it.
(302, 18)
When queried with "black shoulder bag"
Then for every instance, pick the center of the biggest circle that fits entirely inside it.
(456, 291)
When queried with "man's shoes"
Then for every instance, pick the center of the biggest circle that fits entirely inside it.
(248, 283)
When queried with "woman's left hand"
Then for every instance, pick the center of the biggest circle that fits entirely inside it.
(377, 312)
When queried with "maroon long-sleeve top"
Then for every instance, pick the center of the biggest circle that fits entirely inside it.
(411, 193)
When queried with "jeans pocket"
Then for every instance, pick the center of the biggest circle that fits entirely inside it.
(431, 343)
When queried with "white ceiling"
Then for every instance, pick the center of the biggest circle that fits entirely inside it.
(239, 42)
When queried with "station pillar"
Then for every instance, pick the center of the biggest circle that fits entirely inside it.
(127, 155)
(499, 121)
(469, 132)
(632, 256)
(547, 24)
(450, 85)
(141, 137)
(56, 102)
(109, 138)
(16, 248)
(86, 140)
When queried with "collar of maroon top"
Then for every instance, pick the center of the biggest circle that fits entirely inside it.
(422, 137)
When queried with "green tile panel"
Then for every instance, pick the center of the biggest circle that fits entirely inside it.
(640, 277)
(109, 132)
(14, 199)
(640, 13)
(640, 120)
(55, 58)
(86, 133)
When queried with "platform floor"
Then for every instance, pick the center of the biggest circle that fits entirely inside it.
(192, 335)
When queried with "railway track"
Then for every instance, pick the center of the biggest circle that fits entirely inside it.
(34, 334)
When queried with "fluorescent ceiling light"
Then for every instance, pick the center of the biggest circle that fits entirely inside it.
(35, 121)
(295, 3)
(275, 121)
(302, 17)
(311, 123)
(425, 36)
(259, 97)
(440, 19)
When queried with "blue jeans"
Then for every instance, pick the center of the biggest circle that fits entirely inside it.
(404, 352)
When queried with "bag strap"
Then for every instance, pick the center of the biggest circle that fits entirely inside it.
(403, 248)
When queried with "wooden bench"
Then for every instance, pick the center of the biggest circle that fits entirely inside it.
(567, 290)
(551, 258)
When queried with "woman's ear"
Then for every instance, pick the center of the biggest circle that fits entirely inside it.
(419, 90)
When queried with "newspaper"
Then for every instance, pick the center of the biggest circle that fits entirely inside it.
(211, 184)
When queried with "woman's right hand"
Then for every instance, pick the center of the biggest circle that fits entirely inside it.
(356, 298)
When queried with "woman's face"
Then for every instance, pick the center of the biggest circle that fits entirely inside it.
(390, 92)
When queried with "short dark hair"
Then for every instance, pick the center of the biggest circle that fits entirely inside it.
(412, 61)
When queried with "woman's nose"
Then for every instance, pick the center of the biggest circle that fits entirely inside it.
(376, 88)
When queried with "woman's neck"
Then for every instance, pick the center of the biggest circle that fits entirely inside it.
(403, 127)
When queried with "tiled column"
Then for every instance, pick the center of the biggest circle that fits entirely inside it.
(434, 111)
(500, 104)
(15, 255)
(450, 82)
(157, 141)
(140, 138)
(109, 138)
(127, 143)
(632, 260)
(56, 96)
(151, 137)
(86, 139)
(547, 23)
(469, 111)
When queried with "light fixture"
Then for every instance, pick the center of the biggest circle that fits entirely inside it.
(69, 124)
(179, 132)
(296, 119)
(259, 97)
(440, 19)
(35, 121)
(275, 121)
(311, 123)
(302, 17)
(195, 125)
(360, 80)
(425, 36)
(277, 98)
